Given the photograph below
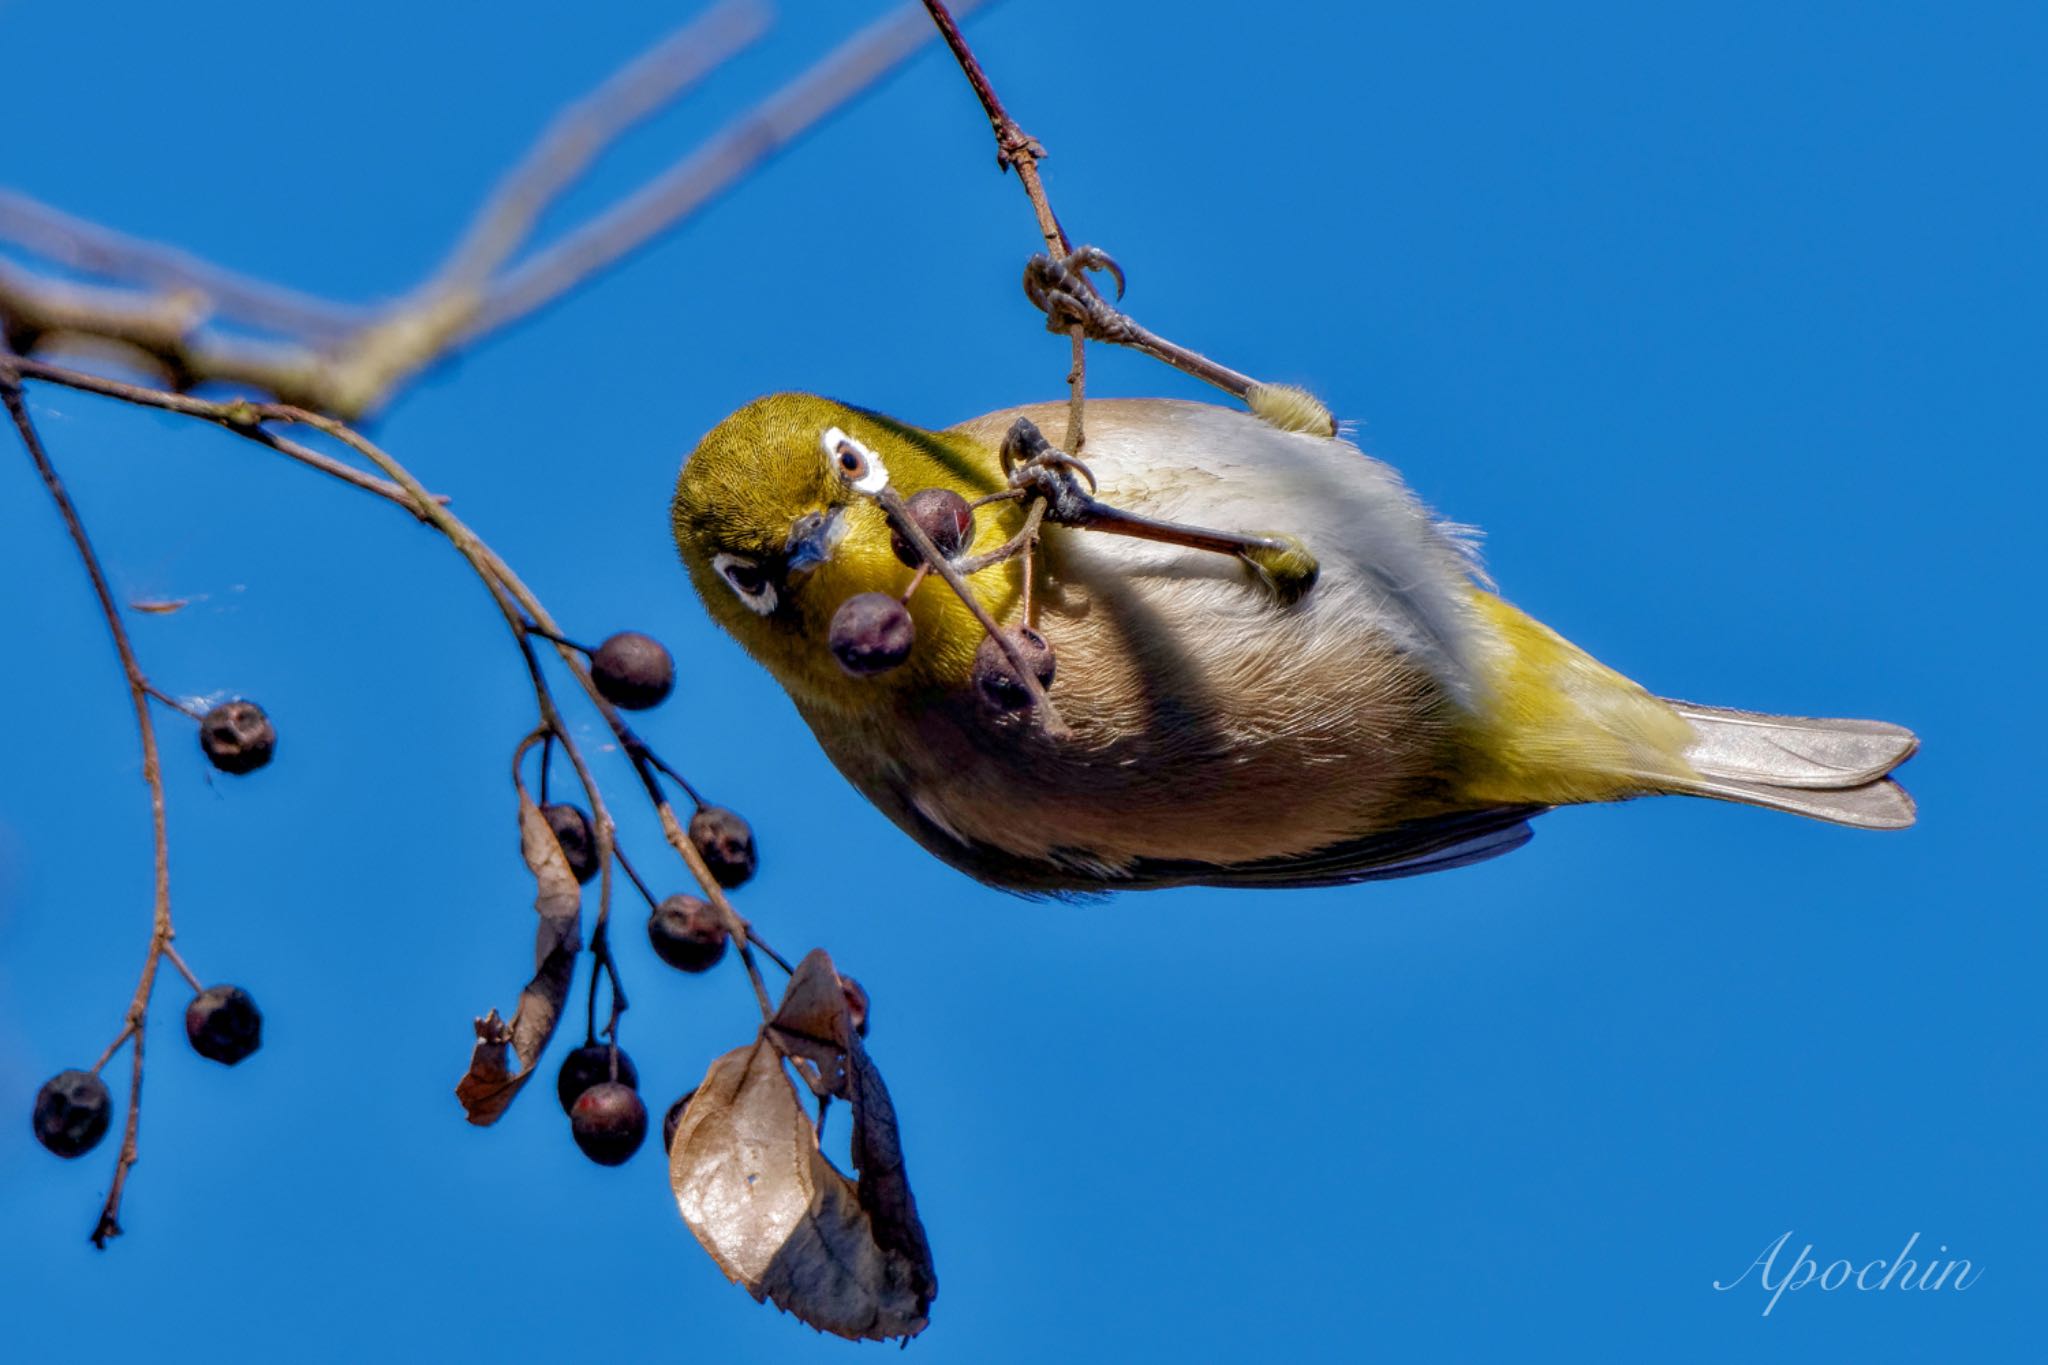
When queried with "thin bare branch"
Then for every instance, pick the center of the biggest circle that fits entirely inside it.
(713, 168)
(582, 131)
(90, 249)
(237, 415)
(160, 931)
(352, 368)
(1017, 149)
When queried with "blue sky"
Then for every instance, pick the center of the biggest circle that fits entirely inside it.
(1723, 321)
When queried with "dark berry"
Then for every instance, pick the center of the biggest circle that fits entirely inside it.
(573, 833)
(673, 1120)
(687, 933)
(633, 670)
(73, 1110)
(871, 633)
(726, 843)
(997, 679)
(224, 1024)
(609, 1122)
(591, 1065)
(944, 516)
(237, 737)
(856, 1003)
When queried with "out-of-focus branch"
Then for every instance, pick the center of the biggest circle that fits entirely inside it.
(581, 132)
(345, 362)
(699, 178)
(90, 249)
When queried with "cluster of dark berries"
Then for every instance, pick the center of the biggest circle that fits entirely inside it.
(599, 1089)
(872, 632)
(73, 1109)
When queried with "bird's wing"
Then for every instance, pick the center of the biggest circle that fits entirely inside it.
(1436, 844)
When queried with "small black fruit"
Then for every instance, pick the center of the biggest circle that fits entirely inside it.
(591, 1065)
(673, 1120)
(941, 514)
(871, 633)
(609, 1122)
(237, 737)
(573, 833)
(726, 843)
(633, 670)
(72, 1112)
(687, 933)
(224, 1024)
(997, 679)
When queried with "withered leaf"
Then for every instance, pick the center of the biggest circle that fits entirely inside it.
(778, 1217)
(740, 1163)
(488, 1087)
(812, 1023)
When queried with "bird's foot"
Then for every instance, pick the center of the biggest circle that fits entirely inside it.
(1062, 291)
(1040, 472)
(1036, 468)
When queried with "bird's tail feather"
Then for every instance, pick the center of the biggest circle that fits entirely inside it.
(1833, 770)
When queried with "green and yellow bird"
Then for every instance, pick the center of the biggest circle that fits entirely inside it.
(1399, 718)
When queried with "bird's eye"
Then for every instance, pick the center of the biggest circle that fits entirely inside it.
(854, 462)
(748, 580)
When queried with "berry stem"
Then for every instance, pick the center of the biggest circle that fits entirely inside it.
(182, 708)
(127, 1032)
(531, 629)
(171, 952)
(638, 746)
(139, 691)
(633, 876)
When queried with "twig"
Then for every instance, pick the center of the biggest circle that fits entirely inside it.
(171, 952)
(1017, 149)
(161, 931)
(237, 415)
(94, 250)
(576, 136)
(349, 363)
(708, 172)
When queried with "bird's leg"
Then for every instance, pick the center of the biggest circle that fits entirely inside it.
(1062, 291)
(1052, 480)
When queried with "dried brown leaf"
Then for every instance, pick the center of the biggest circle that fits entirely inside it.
(848, 1258)
(813, 1023)
(488, 1087)
(740, 1164)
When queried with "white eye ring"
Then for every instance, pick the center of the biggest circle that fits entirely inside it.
(748, 581)
(854, 462)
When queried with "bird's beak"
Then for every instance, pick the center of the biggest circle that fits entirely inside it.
(812, 539)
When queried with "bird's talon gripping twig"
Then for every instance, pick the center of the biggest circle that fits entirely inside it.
(1047, 476)
(1037, 468)
(1060, 289)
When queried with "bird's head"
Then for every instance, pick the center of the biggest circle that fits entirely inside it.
(775, 516)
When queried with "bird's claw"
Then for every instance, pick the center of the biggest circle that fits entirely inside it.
(1036, 467)
(1061, 290)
